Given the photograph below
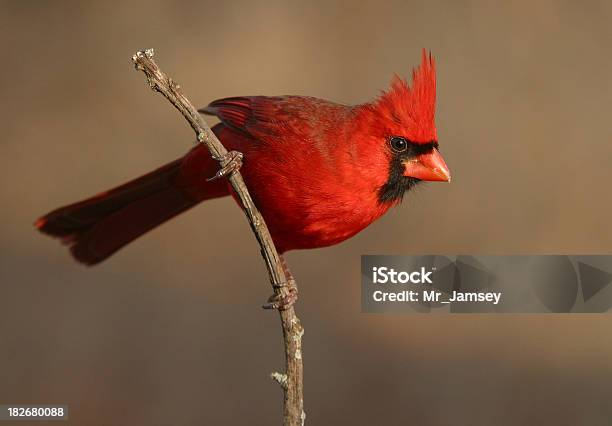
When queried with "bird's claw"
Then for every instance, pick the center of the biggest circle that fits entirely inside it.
(232, 161)
(283, 301)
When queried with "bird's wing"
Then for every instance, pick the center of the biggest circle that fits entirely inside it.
(261, 116)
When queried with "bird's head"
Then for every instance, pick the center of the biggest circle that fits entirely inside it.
(401, 126)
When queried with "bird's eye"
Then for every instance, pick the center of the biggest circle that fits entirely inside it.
(398, 144)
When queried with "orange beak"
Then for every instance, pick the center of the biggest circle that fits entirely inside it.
(429, 167)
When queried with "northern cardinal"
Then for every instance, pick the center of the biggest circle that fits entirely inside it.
(319, 172)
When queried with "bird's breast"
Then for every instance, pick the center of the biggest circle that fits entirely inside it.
(311, 208)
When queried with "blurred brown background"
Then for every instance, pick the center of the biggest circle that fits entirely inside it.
(169, 331)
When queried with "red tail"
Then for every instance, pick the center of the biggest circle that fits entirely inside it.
(99, 226)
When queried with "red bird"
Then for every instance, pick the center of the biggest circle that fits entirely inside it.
(319, 172)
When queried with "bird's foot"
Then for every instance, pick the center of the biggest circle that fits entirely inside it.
(283, 300)
(232, 161)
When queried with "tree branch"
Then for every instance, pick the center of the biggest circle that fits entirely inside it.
(292, 381)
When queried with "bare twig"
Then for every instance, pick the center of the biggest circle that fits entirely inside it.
(292, 380)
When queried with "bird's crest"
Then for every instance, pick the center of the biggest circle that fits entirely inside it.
(412, 107)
